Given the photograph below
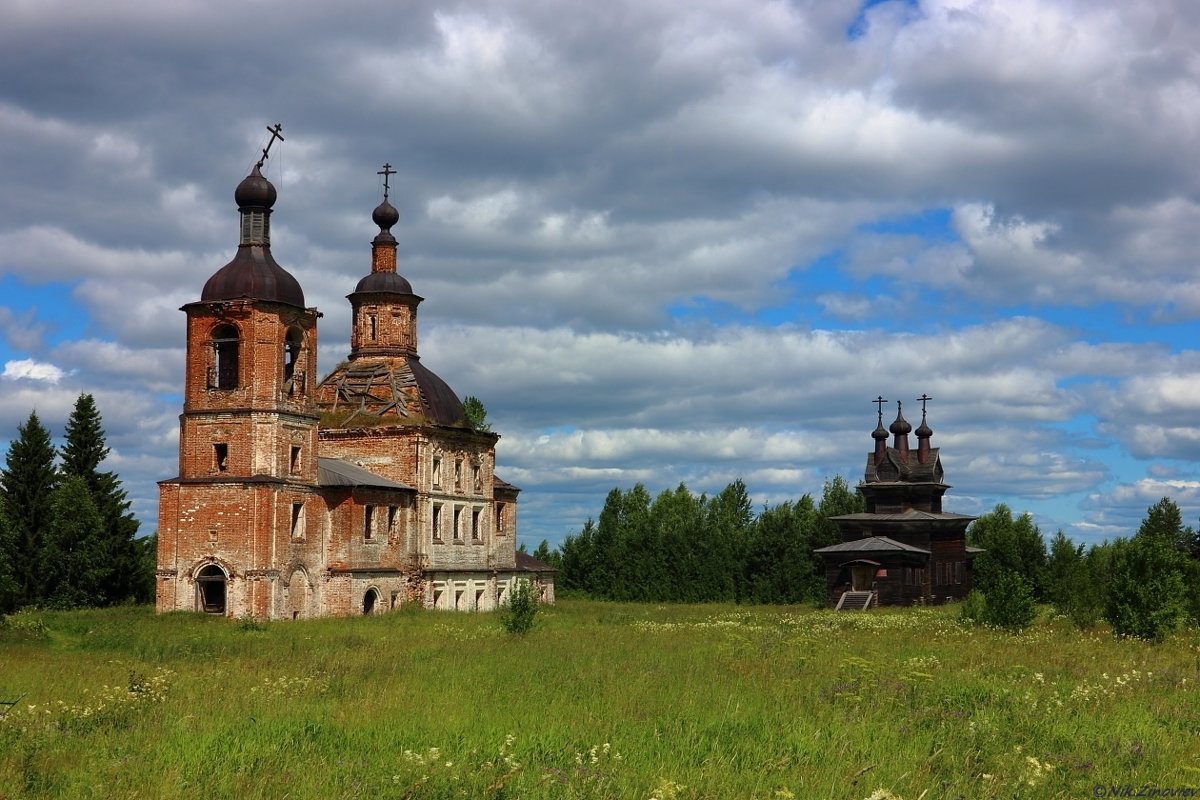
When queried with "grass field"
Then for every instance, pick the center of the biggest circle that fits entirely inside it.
(600, 700)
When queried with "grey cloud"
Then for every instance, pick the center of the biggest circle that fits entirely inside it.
(566, 178)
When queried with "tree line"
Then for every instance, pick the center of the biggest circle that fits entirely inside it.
(1145, 585)
(683, 547)
(67, 537)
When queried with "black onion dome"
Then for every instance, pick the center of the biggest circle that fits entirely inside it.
(901, 427)
(255, 191)
(385, 215)
(442, 405)
(880, 432)
(924, 431)
(384, 282)
(253, 275)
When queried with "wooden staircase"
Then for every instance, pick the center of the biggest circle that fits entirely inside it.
(855, 601)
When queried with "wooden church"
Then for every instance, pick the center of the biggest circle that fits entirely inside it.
(903, 549)
(353, 494)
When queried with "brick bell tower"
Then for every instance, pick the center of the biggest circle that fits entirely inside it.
(248, 431)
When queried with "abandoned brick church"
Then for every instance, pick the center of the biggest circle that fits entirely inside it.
(351, 495)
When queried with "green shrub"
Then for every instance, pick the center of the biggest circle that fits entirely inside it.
(22, 627)
(1147, 597)
(973, 607)
(1010, 603)
(517, 616)
(249, 624)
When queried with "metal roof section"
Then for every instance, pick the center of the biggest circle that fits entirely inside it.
(872, 544)
(336, 472)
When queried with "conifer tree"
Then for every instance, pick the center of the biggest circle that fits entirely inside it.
(8, 581)
(27, 481)
(780, 565)
(547, 555)
(147, 547)
(578, 558)
(1165, 521)
(728, 517)
(84, 450)
(74, 564)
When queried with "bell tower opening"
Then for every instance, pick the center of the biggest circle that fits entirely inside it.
(292, 347)
(225, 343)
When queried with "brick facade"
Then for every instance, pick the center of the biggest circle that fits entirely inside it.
(355, 494)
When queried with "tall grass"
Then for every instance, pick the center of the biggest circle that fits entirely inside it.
(599, 700)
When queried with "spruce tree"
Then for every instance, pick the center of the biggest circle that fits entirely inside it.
(8, 581)
(84, 450)
(548, 555)
(27, 481)
(780, 564)
(578, 559)
(728, 518)
(74, 563)
(1165, 521)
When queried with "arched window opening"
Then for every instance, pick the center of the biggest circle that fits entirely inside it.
(293, 345)
(225, 342)
(210, 589)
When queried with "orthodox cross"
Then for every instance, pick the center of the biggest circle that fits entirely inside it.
(924, 398)
(386, 172)
(879, 401)
(276, 132)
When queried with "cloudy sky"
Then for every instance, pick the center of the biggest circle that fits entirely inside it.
(662, 241)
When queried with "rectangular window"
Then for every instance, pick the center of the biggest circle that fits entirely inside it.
(458, 473)
(499, 519)
(437, 470)
(476, 478)
(297, 520)
(958, 571)
(294, 463)
(221, 456)
(393, 521)
(437, 523)
(368, 522)
(475, 525)
(458, 522)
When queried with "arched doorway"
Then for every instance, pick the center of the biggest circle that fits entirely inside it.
(370, 599)
(298, 594)
(210, 589)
